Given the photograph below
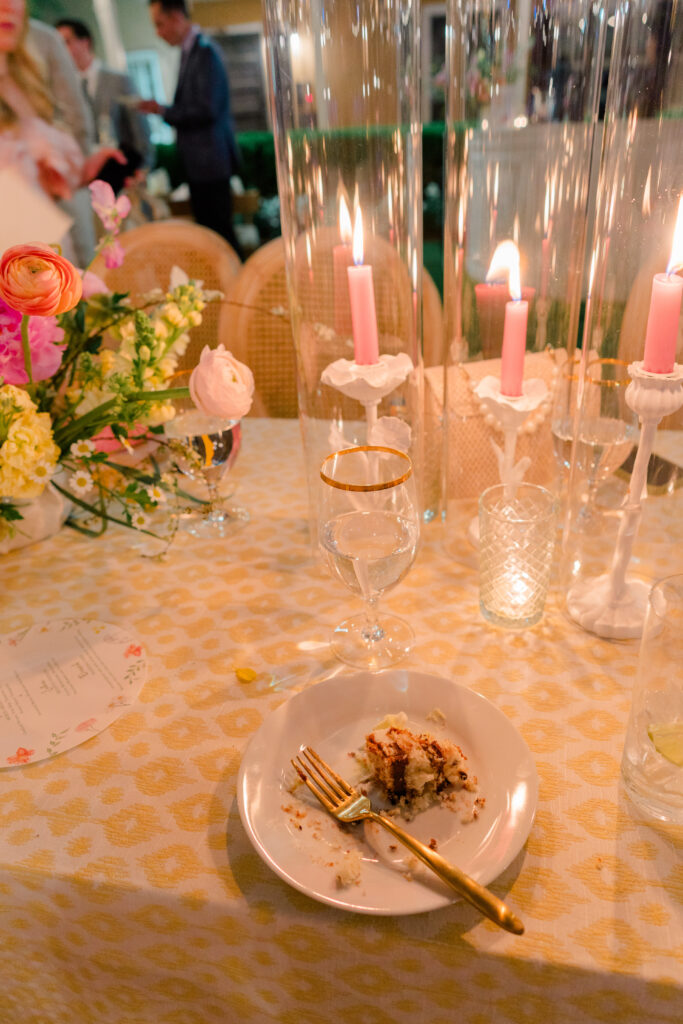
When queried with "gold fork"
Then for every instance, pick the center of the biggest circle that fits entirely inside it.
(346, 804)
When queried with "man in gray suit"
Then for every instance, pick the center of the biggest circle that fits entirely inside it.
(117, 123)
(200, 114)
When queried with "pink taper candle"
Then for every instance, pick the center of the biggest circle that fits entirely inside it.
(665, 309)
(514, 346)
(505, 263)
(362, 296)
(342, 259)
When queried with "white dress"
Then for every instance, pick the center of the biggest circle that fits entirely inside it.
(33, 143)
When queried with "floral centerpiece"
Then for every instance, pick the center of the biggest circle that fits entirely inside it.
(85, 376)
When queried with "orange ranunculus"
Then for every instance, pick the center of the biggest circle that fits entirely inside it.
(37, 281)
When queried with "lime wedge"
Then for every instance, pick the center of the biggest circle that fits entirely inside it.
(668, 741)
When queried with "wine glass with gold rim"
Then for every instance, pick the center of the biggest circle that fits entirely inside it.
(368, 530)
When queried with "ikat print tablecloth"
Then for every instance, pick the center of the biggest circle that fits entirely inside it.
(129, 892)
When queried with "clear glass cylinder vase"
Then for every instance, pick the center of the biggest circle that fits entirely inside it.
(621, 527)
(344, 90)
(523, 88)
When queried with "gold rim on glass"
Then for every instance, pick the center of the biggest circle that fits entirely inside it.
(366, 487)
(605, 381)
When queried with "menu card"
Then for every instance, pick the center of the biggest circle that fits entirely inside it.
(63, 682)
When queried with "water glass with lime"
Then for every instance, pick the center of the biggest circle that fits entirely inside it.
(652, 763)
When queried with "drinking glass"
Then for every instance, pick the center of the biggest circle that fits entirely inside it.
(564, 411)
(607, 428)
(652, 763)
(516, 542)
(368, 530)
(204, 448)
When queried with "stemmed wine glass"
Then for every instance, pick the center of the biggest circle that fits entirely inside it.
(204, 448)
(607, 428)
(368, 529)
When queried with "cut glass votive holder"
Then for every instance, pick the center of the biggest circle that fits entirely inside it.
(516, 543)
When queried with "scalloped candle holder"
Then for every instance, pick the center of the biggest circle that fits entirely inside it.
(509, 413)
(368, 384)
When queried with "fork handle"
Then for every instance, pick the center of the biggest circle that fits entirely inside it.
(473, 892)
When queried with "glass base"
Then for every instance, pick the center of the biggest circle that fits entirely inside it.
(355, 644)
(663, 802)
(510, 623)
(220, 521)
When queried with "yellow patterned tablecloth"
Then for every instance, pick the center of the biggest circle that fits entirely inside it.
(130, 894)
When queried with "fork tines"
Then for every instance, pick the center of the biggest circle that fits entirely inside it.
(322, 781)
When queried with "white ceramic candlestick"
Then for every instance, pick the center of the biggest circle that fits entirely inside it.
(612, 605)
(509, 412)
(368, 384)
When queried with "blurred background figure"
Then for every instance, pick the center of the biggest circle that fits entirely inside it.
(111, 98)
(46, 47)
(201, 116)
(45, 155)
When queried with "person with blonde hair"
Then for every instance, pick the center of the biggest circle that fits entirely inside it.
(44, 153)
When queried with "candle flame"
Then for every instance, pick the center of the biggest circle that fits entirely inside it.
(344, 221)
(358, 238)
(505, 264)
(676, 260)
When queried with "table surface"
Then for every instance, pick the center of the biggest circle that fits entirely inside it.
(129, 889)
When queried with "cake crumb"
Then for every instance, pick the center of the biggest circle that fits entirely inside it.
(437, 716)
(348, 872)
(432, 844)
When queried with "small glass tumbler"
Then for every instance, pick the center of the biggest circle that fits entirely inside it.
(516, 542)
(652, 763)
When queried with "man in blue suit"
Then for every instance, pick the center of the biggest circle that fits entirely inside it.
(200, 114)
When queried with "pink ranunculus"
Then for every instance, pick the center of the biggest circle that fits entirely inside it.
(44, 336)
(93, 285)
(108, 208)
(221, 385)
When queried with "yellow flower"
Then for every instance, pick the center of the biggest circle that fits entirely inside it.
(107, 360)
(28, 454)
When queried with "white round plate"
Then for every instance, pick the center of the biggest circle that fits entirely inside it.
(306, 846)
(61, 683)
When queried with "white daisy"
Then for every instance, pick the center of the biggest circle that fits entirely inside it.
(80, 481)
(42, 472)
(156, 494)
(139, 520)
(81, 449)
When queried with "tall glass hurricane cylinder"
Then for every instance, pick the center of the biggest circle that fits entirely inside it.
(523, 87)
(344, 90)
(634, 312)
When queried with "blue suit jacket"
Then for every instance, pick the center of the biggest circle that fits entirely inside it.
(200, 114)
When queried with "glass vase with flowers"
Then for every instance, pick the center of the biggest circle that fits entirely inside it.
(86, 384)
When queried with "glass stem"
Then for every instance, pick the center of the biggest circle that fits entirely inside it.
(212, 512)
(372, 630)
